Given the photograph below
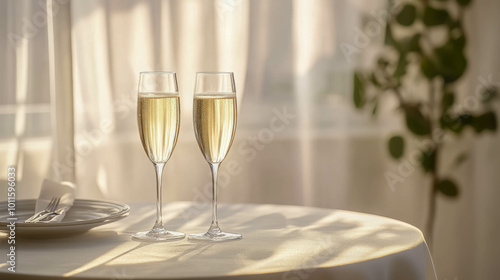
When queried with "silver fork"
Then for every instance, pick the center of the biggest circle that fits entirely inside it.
(51, 207)
(51, 216)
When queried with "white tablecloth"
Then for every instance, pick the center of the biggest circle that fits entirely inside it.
(279, 242)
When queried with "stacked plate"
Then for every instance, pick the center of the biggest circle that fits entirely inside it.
(84, 215)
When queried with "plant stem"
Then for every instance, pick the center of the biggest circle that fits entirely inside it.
(431, 215)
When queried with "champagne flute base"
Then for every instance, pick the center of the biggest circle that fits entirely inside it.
(158, 235)
(215, 237)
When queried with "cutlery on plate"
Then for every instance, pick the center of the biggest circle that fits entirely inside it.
(51, 216)
(51, 207)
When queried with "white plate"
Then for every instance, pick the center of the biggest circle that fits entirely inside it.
(84, 215)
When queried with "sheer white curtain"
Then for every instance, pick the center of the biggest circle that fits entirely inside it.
(68, 94)
(112, 42)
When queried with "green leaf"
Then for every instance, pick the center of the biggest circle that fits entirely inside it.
(359, 91)
(467, 119)
(401, 67)
(459, 42)
(407, 15)
(409, 44)
(374, 80)
(447, 101)
(457, 66)
(486, 121)
(489, 94)
(433, 16)
(375, 108)
(446, 120)
(456, 124)
(454, 23)
(450, 61)
(396, 146)
(428, 67)
(388, 39)
(448, 188)
(415, 120)
(463, 2)
(428, 160)
(457, 34)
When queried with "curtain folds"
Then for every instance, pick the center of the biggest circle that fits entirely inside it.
(61, 91)
(181, 36)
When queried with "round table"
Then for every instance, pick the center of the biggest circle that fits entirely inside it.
(279, 242)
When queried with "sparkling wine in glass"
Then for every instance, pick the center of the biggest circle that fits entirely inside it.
(214, 117)
(158, 116)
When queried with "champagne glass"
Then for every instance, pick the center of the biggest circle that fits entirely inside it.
(158, 116)
(214, 117)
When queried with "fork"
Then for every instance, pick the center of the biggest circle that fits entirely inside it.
(51, 216)
(51, 207)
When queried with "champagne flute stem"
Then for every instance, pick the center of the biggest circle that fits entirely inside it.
(159, 173)
(214, 227)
